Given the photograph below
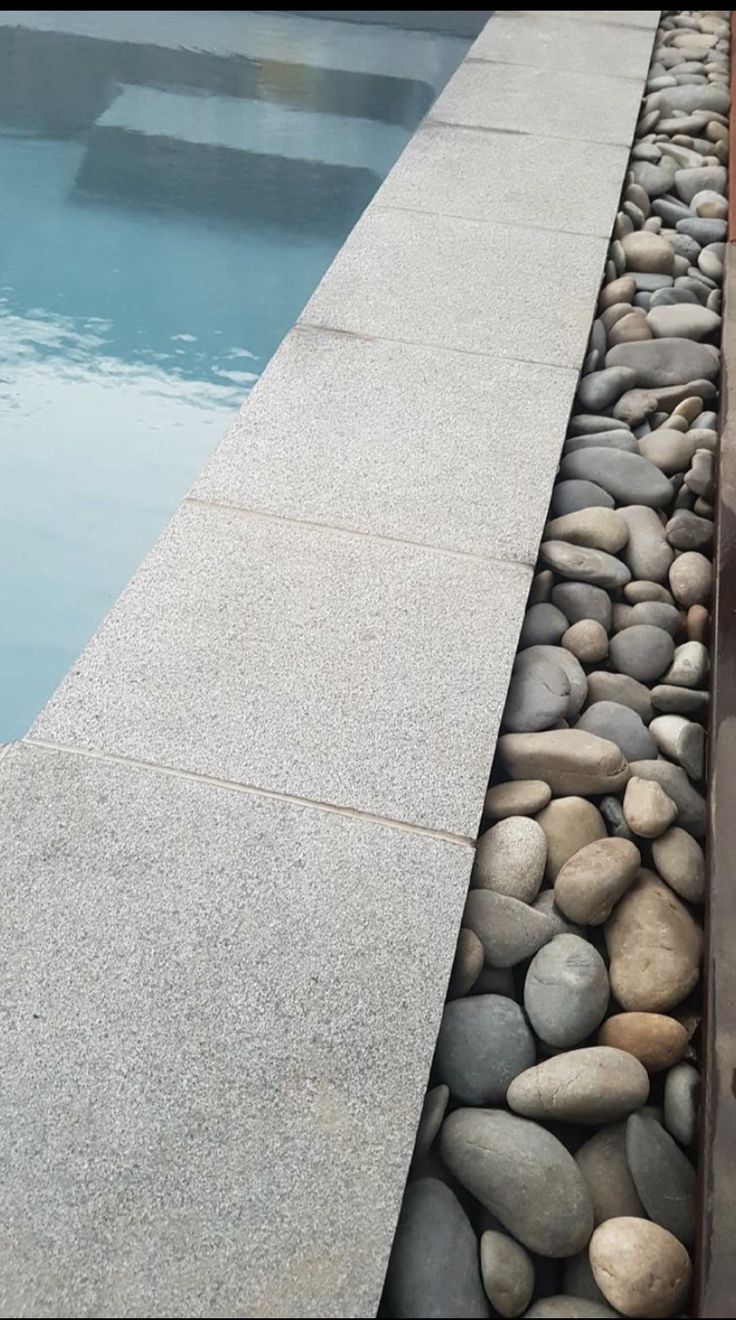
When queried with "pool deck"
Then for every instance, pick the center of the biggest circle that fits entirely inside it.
(236, 843)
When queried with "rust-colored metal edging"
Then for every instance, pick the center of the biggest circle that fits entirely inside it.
(716, 1257)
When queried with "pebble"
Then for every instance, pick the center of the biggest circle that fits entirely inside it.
(698, 623)
(596, 528)
(703, 231)
(648, 809)
(709, 204)
(654, 1039)
(636, 592)
(510, 1165)
(569, 760)
(545, 902)
(583, 564)
(667, 361)
(656, 613)
(681, 700)
(620, 725)
(681, 1094)
(434, 1269)
(570, 496)
(587, 640)
(627, 329)
(517, 797)
(543, 625)
(541, 588)
(654, 947)
(643, 652)
(686, 531)
(570, 666)
(566, 992)
(613, 814)
(689, 183)
(602, 1161)
(562, 1307)
(589, 423)
(681, 740)
(669, 450)
(508, 929)
(600, 389)
(700, 476)
(539, 693)
(683, 321)
(484, 1042)
(507, 1271)
(625, 476)
(641, 1269)
(580, 600)
(593, 1085)
(691, 579)
(620, 688)
(663, 1176)
(696, 99)
(578, 1281)
(593, 879)
(644, 251)
(569, 823)
(689, 667)
(680, 861)
(654, 179)
(467, 965)
(690, 805)
(647, 554)
(510, 858)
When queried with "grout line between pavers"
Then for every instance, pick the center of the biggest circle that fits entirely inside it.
(523, 64)
(250, 790)
(313, 525)
(479, 220)
(432, 122)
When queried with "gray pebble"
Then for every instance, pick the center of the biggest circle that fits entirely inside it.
(621, 688)
(510, 858)
(583, 564)
(484, 1042)
(600, 389)
(538, 695)
(667, 361)
(628, 477)
(647, 553)
(613, 814)
(543, 625)
(508, 929)
(434, 1269)
(658, 614)
(571, 667)
(686, 531)
(580, 600)
(508, 1273)
(681, 1095)
(672, 700)
(690, 666)
(621, 725)
(663, 1176)
(570, 496)
(691, 814)
(566, 991)
(643, 652)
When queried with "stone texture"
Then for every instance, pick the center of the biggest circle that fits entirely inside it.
(641, 1269)
(600, 529)
(528, 661)
(566, 991)
(679, 860)
(580, 600)
(594, 878)
(691, 579)
(643, 652)
(145, 920)
(663, 1175)
(587, 640)
(434, 1269)
(508, 1273)
(539, 693)
(655, 1040)
(584, 565)
(622, 690)
(510, 1164)
(689, 667)
(654, 947)
(433, 1112)
(670, 361)
(508, 929)
(240, 639)
(681, 740)
(484, 1042)
(647, 553)
(691, 815)
(517, 797)
(543, 625)
(602, 1161)
(620, 725)
(594, 1085)
(570, 496)
(647, 808)
(569, 760)
(510, 858)
(625, 476)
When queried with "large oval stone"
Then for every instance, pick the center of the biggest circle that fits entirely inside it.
(654, 946)
(666, 361)
(599, 529)
(517, 797)
(434, 1269)
(515, 1168)
(580, 600)
(539, 693)
(680, 861)
(620, 725)
(593, 880)
(569, 823)
(510, 858)
(566, 991)
(583, 564)
(691, 813)
(630, 478)
(663, 1176)
(508, 1273)
(569, 760)
(593, 1085)
(647, 554)
(484, 1042)
(571, 667)
(643, 652)
(603, 1164)
(640, 1268)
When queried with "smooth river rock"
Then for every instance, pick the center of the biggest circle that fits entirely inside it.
(654, 1039)
(580, 601)
(484, 1042)
(680, 861)
(538, 695)
(691, 812)
(569, 823)
(543, 625)
(663, 1176)
(640, 1268)
(593, 1085)
(644, 652)
(648, 252)
(681, 1093)
(690, 666)
(628, 477)
(508, 929)
(570, 667)
(467, 964)
(434, 1269)
(648, 553)
(507, 1271)
(648, 810)
(566, 991)
(587, 640)
(681, 740)
(569, 760)
(691, 579)
(510, 858)
(569, 496)
(654, 946)
(667, 361)
(602, 1162)
(622, 690)
(594, 878)
(686, 321)
(620, 725)
(513, 1167)
(517, 797)
(583, 564)
(599, 529)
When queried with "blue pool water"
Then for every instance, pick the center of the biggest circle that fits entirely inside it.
(172, 188)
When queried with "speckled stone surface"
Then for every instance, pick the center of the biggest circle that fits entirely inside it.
(191, 1126)
(415, 442)
(549, 41)
(330, 667)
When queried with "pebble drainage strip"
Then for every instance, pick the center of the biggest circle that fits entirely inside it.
(553, 1173)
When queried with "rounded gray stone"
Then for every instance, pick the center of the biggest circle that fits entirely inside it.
(594, 1085)
(680, 861)
(510, 1164)
(581, 600)
(588, 423)
(643, 652)
(668, 449)
(673, 700)
(582, 564)
(604, 440)
(704, 232)
(658, 614)
(690, 666)
(687, 531)
(600, 389)
(684, 321)
(613, 814)
(566, 991)
(510, 858)
(691, 579)
(544, 625)
(604, 1166)
(563, 1307)
(663, 1176)
(625, 476)
(431, 1118)
(681, 740)
(508, 929)
(507, 1271)
(621, 689)
(647, 552)
(516, 797)
(621, 725)
(681, 1097)
(641, 590)
(434, 1269)
(691, 814)
(572, 668)
(667, 361)
(483, 1043)
(539, 693)
(597, 529)
(570, 496)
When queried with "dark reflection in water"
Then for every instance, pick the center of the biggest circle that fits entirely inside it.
(174, 185)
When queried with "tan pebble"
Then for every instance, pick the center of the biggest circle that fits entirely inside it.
(621, 290)
(640, 1268)
(629, 329)
(569, 823)
(698, 624)
(468, 964)
(689, 408)
(680, 861)
(594, 878)
(691, 579)
(541, 588)
(592, 1085)
(648, 810)
(587, 640)
(569, 760)
(655, 1040)
(654, 946)
(517, 797)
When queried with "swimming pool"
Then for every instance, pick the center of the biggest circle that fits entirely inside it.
(174, 185)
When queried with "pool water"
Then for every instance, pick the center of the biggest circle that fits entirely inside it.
(173, 185)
